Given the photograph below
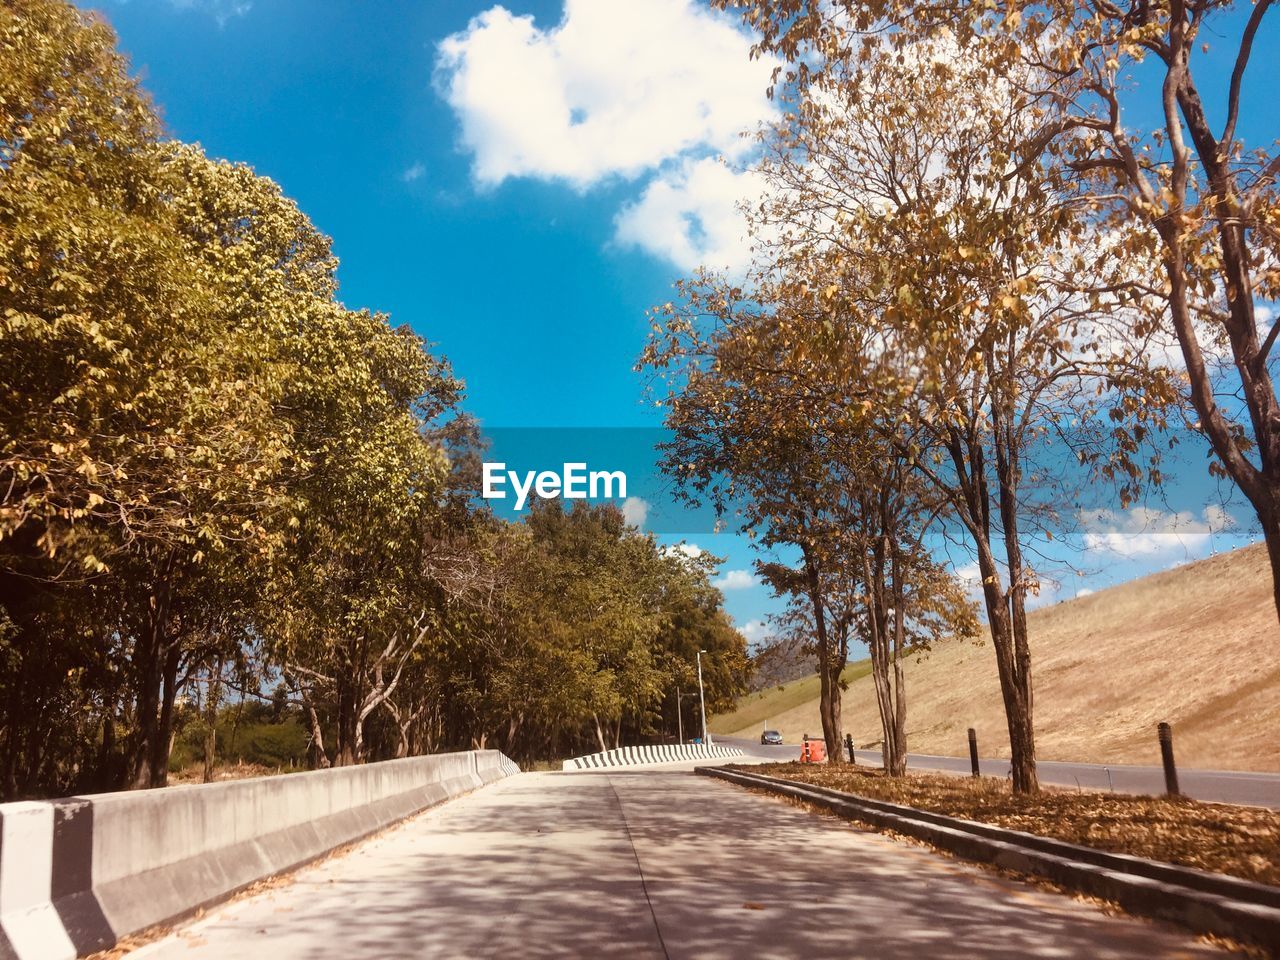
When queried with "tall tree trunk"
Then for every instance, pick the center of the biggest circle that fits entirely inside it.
(1271, 535)
(319, 758)
(513, 728)
(1230, 221)
(1013, 659)
(878, 646)
(829, 685)
(1019, 704)
(106, 756)
(1017, 709)
(149, 667)
(604, 747)
(162, 742)
(346, 723)
(213, 697)
(898, 723)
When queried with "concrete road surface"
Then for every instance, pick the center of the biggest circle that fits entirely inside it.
(1218, 786)
(651, 864)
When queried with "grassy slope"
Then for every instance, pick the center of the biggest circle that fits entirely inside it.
(757, 711)
(1197, 646)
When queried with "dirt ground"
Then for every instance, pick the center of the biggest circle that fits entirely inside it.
(1197, 646)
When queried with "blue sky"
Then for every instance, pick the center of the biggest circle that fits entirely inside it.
(520, 272)
(519, 184)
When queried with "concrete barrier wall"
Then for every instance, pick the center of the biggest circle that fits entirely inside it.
(78, 874)
(656, 753)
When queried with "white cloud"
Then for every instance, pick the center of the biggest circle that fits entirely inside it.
(1140, 531)
(691, 215)
(1083, 592)
(970, 578)
(616, 88)
(635, 511)
(690, 550)
(756, 631)
(736, 580)
(220, 10)
(414, 172)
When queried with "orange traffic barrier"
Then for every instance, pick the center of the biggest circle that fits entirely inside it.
(813, 751)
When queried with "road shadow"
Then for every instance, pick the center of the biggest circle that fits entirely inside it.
(654, 864)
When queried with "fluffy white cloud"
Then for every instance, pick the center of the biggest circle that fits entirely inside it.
(616, 88)
(414, 172)
(691, 215)
(970, 578)
(634, 512)
(690, 550)
(1083, 592)
(1140, 531)
(756, 631)
(735, 580)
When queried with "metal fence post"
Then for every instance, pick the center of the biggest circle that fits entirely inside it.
(1166, 756)
(973, 751)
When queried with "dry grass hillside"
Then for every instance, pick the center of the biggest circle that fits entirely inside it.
(1197, 646)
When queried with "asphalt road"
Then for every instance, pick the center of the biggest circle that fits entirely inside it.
(1221, 786)
(652, 864)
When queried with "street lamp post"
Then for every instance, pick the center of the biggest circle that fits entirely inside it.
(702, 702)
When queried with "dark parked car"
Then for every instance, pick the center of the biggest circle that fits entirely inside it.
(771, 738)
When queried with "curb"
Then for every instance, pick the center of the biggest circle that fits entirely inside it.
(1199, 900)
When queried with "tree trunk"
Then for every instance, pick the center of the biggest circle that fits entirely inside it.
(829, 685)
(1013, 688)
(147, 663)
(831, 723)
(604, 747)
(212, 699)
(106, 758)
(1271, 534)
(878, 646)
(898, 723)
(1015, 675)
(319, 758)
(346, 722)
(162, 741)
(1261, 484)
(513, 727)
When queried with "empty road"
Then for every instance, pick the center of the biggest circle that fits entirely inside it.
(651, 864)
(1217, 786)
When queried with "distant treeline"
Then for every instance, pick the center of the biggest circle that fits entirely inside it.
(217, 480)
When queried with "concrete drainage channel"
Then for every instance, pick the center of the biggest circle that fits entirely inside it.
(1201, 901)
(79, 874)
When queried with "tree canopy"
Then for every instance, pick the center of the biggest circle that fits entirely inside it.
(219, 481)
